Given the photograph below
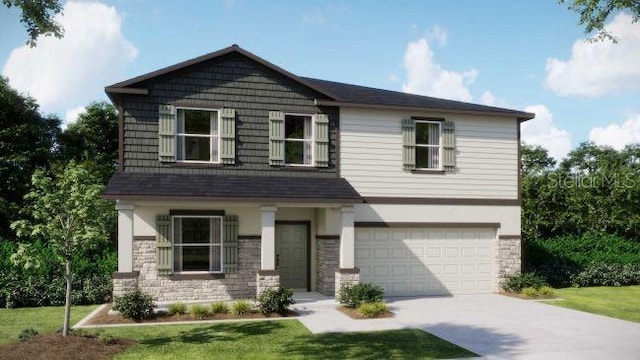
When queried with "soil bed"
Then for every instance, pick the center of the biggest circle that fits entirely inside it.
(104, 318)
(353, 313)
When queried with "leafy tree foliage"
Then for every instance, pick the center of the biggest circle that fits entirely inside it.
(66, 208)
(594, 189)
(93, 139)
(594, 14)
(27, 140)
(37, 17)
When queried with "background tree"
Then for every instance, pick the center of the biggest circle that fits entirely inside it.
(68, 210)
(27, 140)
(594, 14)
(93, 139)
(37, 17)
(535, 159)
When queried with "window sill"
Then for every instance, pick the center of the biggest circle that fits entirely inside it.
(196, 276)
(298, 168)
(198, 164)
(425, 171)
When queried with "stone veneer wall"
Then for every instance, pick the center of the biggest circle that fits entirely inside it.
(267, 279)
(346, 276)
(508, 258)
(328, 260)
(122, 284)
(167, 288)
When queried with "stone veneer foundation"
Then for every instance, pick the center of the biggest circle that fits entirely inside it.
(187, 287)
(267, 279)
(508, 257)
(346, 276)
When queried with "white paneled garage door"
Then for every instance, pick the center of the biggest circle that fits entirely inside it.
(426, 261)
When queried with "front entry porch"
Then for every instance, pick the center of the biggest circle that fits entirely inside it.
(315, 254)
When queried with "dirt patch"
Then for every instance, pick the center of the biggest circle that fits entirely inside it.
(55, 346)
(104, 318)
(353, 313)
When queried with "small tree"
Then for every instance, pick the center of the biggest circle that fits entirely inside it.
(66, 210)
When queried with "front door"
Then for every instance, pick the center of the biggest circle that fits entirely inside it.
(292, 255)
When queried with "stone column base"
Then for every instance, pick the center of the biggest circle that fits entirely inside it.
(123, 282)
(267, 279)
(346, 276)
(508, 257)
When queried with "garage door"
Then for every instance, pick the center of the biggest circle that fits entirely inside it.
(426, 261)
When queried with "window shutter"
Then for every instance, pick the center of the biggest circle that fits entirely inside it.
(449, 146)
(276, 138)
(166, 133)
(164, 248)
(230, 244)
(228, 136)
(322, 140)
(408, 144)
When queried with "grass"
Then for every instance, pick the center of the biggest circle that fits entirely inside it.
(617, 302)
(44, 319)
(277, 340)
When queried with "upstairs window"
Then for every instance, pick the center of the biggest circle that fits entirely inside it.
(197, 244)
(298, 140)
(197, 136)
(428, 145)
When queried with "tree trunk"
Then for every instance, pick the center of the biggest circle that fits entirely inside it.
(67, 302)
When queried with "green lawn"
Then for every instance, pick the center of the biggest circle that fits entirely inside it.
(618, 302)
(43, 319)
(277, 340)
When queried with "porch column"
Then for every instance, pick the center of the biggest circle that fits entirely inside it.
(267, 277)
(125, 237)
(347, 274)
(268, 242)
(347, 236)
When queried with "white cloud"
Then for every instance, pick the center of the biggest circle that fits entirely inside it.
(72, 115)
(61, 73)
(616, 135)
(488, 98)
(542, 131)
(600, 67)
(425, 77)
(439, 34)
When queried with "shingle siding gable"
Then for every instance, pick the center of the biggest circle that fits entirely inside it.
(231, 81)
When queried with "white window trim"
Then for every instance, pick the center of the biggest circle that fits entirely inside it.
(313, 139)
(440, 147)
(182, 150)
(210, 244)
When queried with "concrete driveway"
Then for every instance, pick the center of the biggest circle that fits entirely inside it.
(494, 326)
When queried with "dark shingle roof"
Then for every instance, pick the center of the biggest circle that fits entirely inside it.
(357, 94)
(237, 188)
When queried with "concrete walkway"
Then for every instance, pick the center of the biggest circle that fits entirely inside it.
(494, 326)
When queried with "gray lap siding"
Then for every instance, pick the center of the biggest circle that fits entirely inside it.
(233, 82)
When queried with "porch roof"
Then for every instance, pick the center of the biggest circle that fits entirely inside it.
(138, 186)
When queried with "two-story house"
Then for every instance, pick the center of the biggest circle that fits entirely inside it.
(237, 175)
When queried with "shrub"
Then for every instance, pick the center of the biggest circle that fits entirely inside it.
(547, 292)
(134, 304)
(177, 308)
(530, 292)
(561, 259)
(602, 274)
(219, 307)
(370, 310)
(275, 300)
(354, 295)
(516, 283)
(199, 312)
(27, 334)
(241, 307)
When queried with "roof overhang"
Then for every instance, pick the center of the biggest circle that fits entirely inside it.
(521, 116)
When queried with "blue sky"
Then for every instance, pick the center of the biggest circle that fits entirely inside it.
(527, 55)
